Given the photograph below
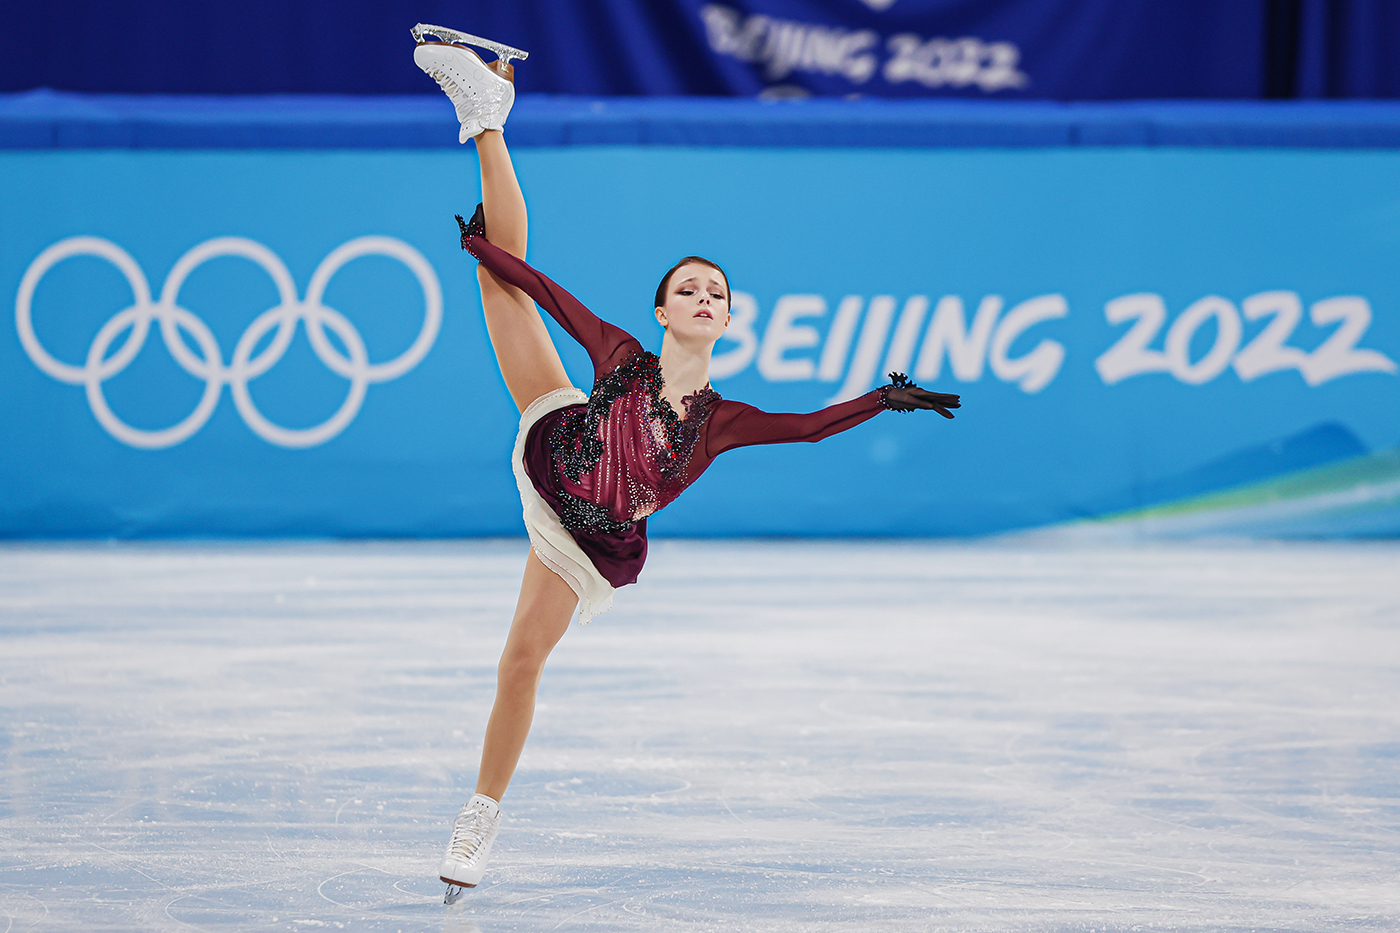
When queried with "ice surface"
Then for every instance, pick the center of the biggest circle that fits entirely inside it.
(769, 736)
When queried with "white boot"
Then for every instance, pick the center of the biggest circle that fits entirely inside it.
(472, 834)
(482, 94)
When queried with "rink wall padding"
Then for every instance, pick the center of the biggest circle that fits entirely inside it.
(46, 119)
(252, 317)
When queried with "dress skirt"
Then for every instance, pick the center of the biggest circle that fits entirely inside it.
(551, 541)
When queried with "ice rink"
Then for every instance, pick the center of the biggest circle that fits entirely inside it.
(762, 736)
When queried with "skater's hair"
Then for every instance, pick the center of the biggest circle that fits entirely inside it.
(666, 279)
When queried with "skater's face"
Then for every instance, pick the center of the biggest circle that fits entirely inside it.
(697, 303)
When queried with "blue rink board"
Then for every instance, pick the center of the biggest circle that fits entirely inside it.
(46, 119)
(1042, 241)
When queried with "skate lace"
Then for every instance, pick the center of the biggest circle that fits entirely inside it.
(471, 103)
(460, 99)
(469, 831)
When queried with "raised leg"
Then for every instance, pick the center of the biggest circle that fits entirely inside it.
(541, 617)
(528, 359)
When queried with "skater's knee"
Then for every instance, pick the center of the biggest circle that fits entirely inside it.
(501, 300)
(488, 281)
(512, 241)
(521, 664)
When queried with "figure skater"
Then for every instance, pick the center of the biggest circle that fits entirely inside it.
(590, 468)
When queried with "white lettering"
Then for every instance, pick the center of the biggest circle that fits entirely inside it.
(1338, 355)
(988, 340)
(999, 70)
(1036, 369)
(948, 333)
(743, 314)
(1130, 356)
(784, 334)
(872, 340)
(784, 46)
(781, 50)
(721, 29)
(1227, 340)
(838, 339)
(954, 62)
(1269, 352)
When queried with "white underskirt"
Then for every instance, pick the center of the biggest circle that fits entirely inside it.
(551, 541)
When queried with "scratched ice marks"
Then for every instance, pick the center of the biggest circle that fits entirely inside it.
(762, 736)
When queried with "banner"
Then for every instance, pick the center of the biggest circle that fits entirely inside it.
(1041, 49)
(205, 343)
(1345, 48)
(1100, 49)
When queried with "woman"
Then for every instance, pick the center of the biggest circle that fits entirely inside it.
(590, 468)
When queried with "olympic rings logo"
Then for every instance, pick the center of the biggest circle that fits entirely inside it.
(207, 363)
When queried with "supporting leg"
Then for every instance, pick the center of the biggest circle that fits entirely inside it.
(541, 617)
(528, 359)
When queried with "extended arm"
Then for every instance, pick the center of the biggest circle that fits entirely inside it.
(735, 424)
(607, 344)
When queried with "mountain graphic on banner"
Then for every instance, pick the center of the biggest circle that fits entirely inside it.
(1320, 444)
(1336, 496)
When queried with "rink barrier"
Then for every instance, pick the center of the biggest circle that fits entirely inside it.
(45, 119)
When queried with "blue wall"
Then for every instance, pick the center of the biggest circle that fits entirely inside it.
(1261, 283)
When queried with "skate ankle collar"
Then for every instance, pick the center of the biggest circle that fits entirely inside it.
(489, 804)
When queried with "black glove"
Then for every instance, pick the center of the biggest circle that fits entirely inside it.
(474, 227)
(903, 395)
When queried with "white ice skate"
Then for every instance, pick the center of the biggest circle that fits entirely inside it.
(472, 834)
(482, 94)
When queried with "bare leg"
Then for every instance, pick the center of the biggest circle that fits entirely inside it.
(531, 367)
(529, 362)
(541, 618)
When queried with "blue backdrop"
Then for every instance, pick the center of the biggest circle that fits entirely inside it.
(1344, 48)
(1047, 49)
(206, 342)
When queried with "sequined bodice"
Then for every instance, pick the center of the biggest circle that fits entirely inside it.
(626, 453)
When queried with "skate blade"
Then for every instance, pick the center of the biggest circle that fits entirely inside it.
(452, 36)
(454, 892)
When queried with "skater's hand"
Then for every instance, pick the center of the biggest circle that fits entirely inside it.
(476, 227)
(909, 398)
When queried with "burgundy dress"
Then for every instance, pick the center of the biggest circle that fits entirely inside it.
(605, 466)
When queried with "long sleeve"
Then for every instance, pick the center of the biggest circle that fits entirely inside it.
(735, 424)
(607, 344)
